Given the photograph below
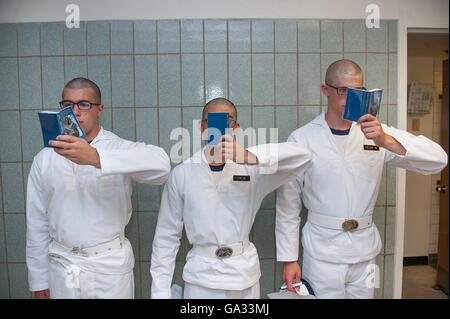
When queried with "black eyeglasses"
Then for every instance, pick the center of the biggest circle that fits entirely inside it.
(233, 122)
(342, 90)
(82, 105)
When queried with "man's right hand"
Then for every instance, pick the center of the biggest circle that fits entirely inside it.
(291, 273)
(42, 294)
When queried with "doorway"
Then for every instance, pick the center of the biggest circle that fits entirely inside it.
(424, 219)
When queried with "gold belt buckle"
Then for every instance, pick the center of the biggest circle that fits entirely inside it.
(224, 251)
(79, 251)
(350, 224)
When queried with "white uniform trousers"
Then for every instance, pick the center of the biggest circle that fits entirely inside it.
(68, 281)
(197, 292)
(340, 281)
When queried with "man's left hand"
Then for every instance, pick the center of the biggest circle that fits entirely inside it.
(77, 150)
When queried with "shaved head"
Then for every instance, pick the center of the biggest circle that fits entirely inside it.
(216, 101)
(342, 67)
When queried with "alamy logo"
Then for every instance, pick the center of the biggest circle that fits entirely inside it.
(73, 19)
(373, 17)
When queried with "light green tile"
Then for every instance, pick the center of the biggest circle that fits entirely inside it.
(388, 285)
(18, 280)
(145, 73)
(124, 123)
(15, 232)
(390, 230)
(264, 233)
(309, 79)
(215, 36)
(168, 36)
(122, 90)
(29, 35)
(379, 218)
(267, 280)
(286, 35)
(216, 81)
(169, 77)
(9, 90)
(192, 77)
(381, 199)
(12, 185)
(332, 36)
(286, 79)
(30, 83)
(239, 35)
(392, 95)
(308, 36)
(354, 36)
(377, 38)
(377, 72)
(286, 121)
(262, 36)
(240, 79)
(392, 35)
(263, 79)
(10, 142)
(191, 36)
(306, 114)
(144, 36)
(4, 282)
(8, 34)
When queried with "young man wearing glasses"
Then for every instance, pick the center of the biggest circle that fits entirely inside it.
(340, 241)
(79, 202)
(215, 195)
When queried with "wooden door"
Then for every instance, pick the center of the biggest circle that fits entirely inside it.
(442, 262)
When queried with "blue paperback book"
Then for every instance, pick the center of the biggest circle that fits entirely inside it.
(360, 102)
(218, 122)
(62, 122)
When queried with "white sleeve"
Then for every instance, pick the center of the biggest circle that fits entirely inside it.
(38, 237)
(422, 154)
(279, 164)
(144, 163)
(287, 221)
(166, 242)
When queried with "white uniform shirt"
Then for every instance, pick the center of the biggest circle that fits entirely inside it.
(343, 184)
(218, 215)
(82, 206)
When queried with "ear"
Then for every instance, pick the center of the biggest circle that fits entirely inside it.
(325, 90)
(202, 126)
(100, 109)
(237, 128)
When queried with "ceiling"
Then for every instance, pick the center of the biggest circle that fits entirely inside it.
(428, 44)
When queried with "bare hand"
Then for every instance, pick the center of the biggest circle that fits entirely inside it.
(372, 129)
(291, 274)
(231, 150)
(42, 294)
(76, 149)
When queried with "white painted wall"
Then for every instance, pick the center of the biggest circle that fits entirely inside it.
(417, 13)
(410, 13)
(418, 195)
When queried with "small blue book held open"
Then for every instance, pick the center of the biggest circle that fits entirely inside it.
(62, 122)
(360, 102)
(218, 122)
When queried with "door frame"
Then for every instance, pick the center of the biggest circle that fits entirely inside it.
(402, 98)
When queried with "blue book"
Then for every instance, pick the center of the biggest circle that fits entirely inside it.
(218, 122)
(360, 102)
(62, 122)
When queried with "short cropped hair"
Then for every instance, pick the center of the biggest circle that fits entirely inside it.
(83, 83)
(219, 100)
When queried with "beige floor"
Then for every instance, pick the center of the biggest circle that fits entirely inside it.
(418, 282)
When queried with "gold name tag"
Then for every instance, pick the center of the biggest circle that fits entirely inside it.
(241, 178)
(371, 147)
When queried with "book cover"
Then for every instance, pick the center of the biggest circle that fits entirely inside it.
(360, 102)
(62, 122)
(218, 122)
